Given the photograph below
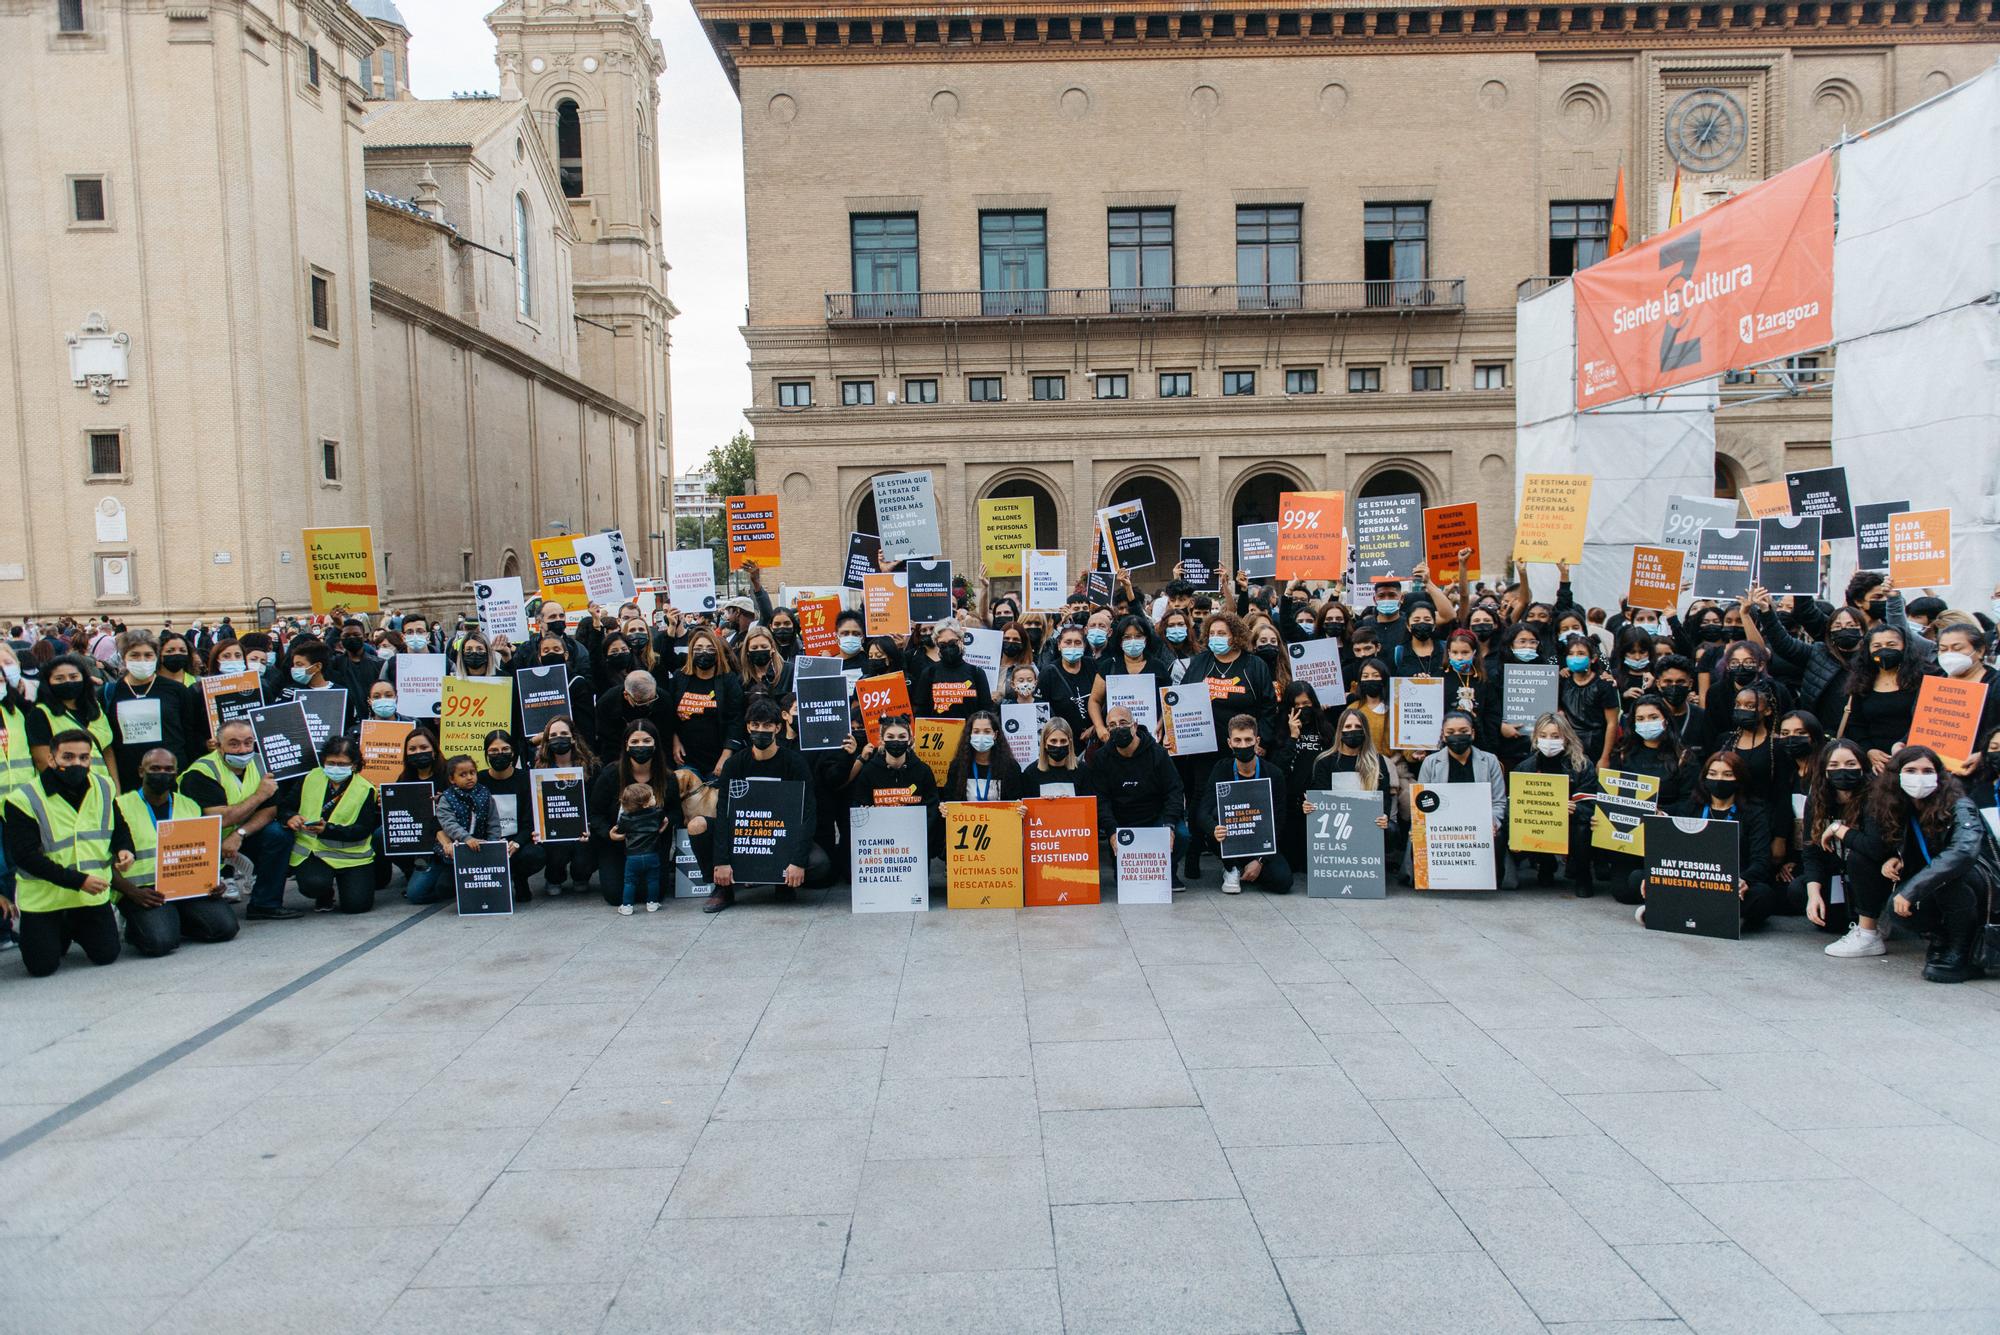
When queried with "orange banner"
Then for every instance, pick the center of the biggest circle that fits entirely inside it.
(1061, 838)
(753, 531)
(1768, 500)
(1920, 549)
(982, 855)
(886, 696)
(1656, 578)
(1947, 717)
(885, 603)
(382, 749)
(1311, 540)
(1449, 530)
(1748, 281)
(818, 618)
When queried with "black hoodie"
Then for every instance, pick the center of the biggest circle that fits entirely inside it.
(1141, 789)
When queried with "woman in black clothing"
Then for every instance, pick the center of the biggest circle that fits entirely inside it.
(1586, 698)
(426, 877)
(1650, 747)
(1177, 636)
(1720, 793)
(785, 633)
(984, 769)
(1353, 753)
(549, 651)
(1632, 664)
(765, 670)
(706, 703)
(1881, 695)
(563, 747)
(949, 687)
(1795, 752)
(1840, 860)
(1464, 675)
(513, 808)
(1057, 771)
(1138, 655)
(1981, 784)
(1067, 683)
(851, 639)
(640, 760)
(1744, 665)
(1303, 734)
(1238, 683)
(1557, 751)
(1941, 861)
(1520, 644)
(1748, 734)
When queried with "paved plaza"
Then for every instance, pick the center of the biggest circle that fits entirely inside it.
(1435, 1113)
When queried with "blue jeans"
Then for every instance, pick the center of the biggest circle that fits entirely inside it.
(270, 854)
(429, 881)
(642, 869)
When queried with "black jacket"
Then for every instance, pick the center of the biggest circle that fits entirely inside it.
(1203, 819)
(784, 764)
(1970, 856)
(1753, 833)
(1143, 788)
(880, 785)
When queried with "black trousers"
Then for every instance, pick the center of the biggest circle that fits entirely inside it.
(353, 886)
(47, 937)
(569, 862)
(1274, 877)
(161, 929)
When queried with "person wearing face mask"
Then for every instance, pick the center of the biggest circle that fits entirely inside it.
(1421, 653)
(949, 687)
(562, 746)
(641, 757)
(785, 634)
(353, 664)
(69, 699)
(17, 762)
(616, 656)
(1962, 646)
(381, 706)
(1820, 669)
(705, 704)
(1521, 644)
(1650, 746)
(148, 710)
(850, 638)
(333, 814)
(1353, 752)
(1177, 643)
(1796, 743)
(506, 782)
(1269, 648)
(1721, 792)
(1459, 760)
(1138, 655)
(983, 769)
(1587, 699)
(552, 619)
(1269, 872)
(1942, 861)
(65, 838)
(229, 782)
(1840, 859)
(765, 671)
(1881, 699)
(1743, 666)
(1070, 681)
(889, 774)
(154, 925)
(1137, 784)
(302, 667)
(1058, 770)
(1386, 616)
(426, 876)
(634, 695)
(1558, 752)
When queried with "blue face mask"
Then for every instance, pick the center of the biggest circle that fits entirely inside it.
(1072, 653)
(1135, 648)
(1527, 655)
(1176, 634)
(1649, 728)
(1638, 664)
(1097, 635)
(302, 675)
(338, 773)
(384, 708)
(1577, 663)
(982, 741)
(1218, 645)
(1388, 607)
(850, 645)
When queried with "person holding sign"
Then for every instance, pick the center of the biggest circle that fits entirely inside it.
(148, 710)
(1587, 698)
(1057, 772)
(1942, 860)
(562, 747)
(230, 783)
(1651, 748)
(1961, 654)
(949, 687)
(983, 770)
(467, 814)
(1558, 752)
(513, 797)
(1841, 858)
(154, 924)
(1267, 871)
(1136, 781)
(1238, 683)
(1881, 695)
(806, 863)
(1138, 655)
(639, 757)
(1458, 760)
(333, 814)
(1720, 793)
(705, 705)
(1821, 669)
(642, 823)
(64, 838)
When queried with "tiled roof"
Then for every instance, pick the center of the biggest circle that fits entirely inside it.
(401, 205)
(459, 122)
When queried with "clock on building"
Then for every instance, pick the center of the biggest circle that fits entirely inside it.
(1706, 130)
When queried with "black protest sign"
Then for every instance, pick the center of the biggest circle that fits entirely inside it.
(822, 712)
(1527, 691)
(284, 740)
(409, 819)
(1201, 563)
(862, 551)
(544, 696)
(1692, 867)
(1257, 551)
(326, 713)
(1788, 556)
(690, 881)
(1131, 541)
(558, 796)
(1725, 562)
(1388, 536)
(1821, 493)
(1871, 534)
(481, 880)
(762, 815)
(930, 590)
(1246, 822)
(1097, 588)
(1344, 855)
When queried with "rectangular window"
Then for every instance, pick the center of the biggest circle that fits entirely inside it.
(1116, 386)
(1426, 377)
(329, 460)
(1267, 257)
(1239, 382)
(920, 391)
(795, 394)
(312, 66)
(107, 453)
(1176, 384)
(1489, 375)
(1395, 252)
(1805, 370)
(1579, 232)
(1013, 263)
(1304, 380)
(69, 16)
(1048, 388)
(884, 247)
(984, 389)
(1142, 259)
(86, 199)
(857, 393)
(367, 76)
(320, 287)
(1364, 379)
(388, 73)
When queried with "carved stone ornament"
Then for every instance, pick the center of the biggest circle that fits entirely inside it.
(97, 357)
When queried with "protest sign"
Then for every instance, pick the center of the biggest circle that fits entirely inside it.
(690, 881)
(230, 696)
(982, 650)
(1344, 853)
(762, 815)
(326, 712)
(1725, 562)
(187, 857)
(1187, 723)
(481, 880)
(1145, 858)
(1947, 716)
(1126, 538)
(1692, 869)
(1555, 507)
(1201, 563)
(1317, 663)
(409, 819)
(753, 531)
(1047, 580)
(1388, 536)
(864, 551)
(419, 685)
(906, 515)
(1618, 813)
(1537, 812)
(817, 620)
(1097, 588)
(1257, 551)
(691, 581)
(473, 707)
(1656, 578)
(929, 585)
(1059, 839)
(1766, 500)
(1312, 537)
(1138, 692)
(284, 743)
(1451, 836)
(1871, 534)
(1006, 529)
(886, 696)
(1416, 713)
(544, 697)
(1821, 493)
(340, 569)
(1788, 556)
(1920, 549)
(605, 568)
(502, 607)
(1687, 516)
(1021, 724)
(982, 843)
(1246, 821)
(556, 573)
(889, 863)
(382, 749)
(1449, 530)
(885, 603)
(823, 719)
(558, 799)
(935, 741)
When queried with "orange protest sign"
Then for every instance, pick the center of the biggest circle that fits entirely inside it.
(885, 603)
(1312, 542)
(886, 696)
(1555, 507)
(982, 855)
(1947, 716)
(753, 530)
(187, 859)
(1061, 835)
(1656, 578)
(1750, 280)
(936, 742)
(1920, 548)
(382, 749)
(1768, 500)
(340, 569)
(817, 619)
(557, 573)
(1448, 530)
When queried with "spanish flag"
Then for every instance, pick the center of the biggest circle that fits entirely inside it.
(1674, 204)
(1621, 222)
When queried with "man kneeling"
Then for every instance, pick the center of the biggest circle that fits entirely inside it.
(155, 925)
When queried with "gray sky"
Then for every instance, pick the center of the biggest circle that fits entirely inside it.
(701, 182)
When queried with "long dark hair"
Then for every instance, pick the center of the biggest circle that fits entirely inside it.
(1861, 668)
(89, 704)
(1301, 693)
(409, 774)
(580, 756)
(661, 764)
(1890, 808)
(1737, 771)
(1630, 741)
(1000, 759)
(1828, 802)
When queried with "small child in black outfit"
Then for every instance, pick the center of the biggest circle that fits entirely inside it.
(641, 823)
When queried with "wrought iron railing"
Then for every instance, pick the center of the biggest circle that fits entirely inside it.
(1188, 299)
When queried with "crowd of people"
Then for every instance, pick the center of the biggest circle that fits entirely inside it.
(1788, 717)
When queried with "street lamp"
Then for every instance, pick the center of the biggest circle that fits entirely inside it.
(661, 539)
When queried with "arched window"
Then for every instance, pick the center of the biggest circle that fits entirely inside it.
(569, 148)
(524, 259)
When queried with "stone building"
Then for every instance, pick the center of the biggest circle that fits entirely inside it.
(249, 284)
(1204, 253)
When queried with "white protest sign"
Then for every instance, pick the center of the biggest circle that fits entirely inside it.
(1416, 713)
(1145, 864)
(1451, 837)
(502, 609)
(906, 516)
(982, 650)
(1137, 692)
(889, 862)
(691, 581)
(1021, 724)
(1189, 729)
(607, 574)
(1046, 578)
(1317, 663)
(419, 685)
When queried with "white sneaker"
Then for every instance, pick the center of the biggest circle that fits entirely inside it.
(230, 894)
(1858, 944)
(1639, 915)
(1232, 882)
(652, 906)
(552, 889)
(625, 910)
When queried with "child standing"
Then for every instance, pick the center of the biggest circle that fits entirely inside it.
(641, 821)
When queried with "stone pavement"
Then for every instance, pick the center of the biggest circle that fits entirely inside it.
(1434, 1113)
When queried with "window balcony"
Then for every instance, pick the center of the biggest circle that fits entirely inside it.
(1400, 295)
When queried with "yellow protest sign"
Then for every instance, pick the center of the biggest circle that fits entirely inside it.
(340, 569)
(469, 708)
(556, 572)
(1537, 812)
(1618, 814)
(1554, 510)
(1006, 527)
(982, 855)
(936, 741)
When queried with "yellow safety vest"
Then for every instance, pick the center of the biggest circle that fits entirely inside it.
(235, 787)
(99, 729)
(139, 819)
(336, 853)
(78, 838)
(17, 763)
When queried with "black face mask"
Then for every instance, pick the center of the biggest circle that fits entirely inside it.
(951, 655)
(1352, 738)
(1121, 737)
(422, 760)
(1373, 687)
(352, 644)
(71, 779)
(1483, 633)
(1888, 659)
(1846, 780)
(558, 656)
(499, 760)
(1876, 606)
(1243, 754)
(1794, 748)
(561, 746)
(1459, 743)
(1715, 630)
(760, 658)
(1675, 695)
(763, 741)
(1034, 635)
(157, 785)
(1058, 754)
(783, 634)
(1269, 654)
(1722, 788)
(66, 692)
(1744, 718)
(703, 659)
(1743, 674)
(639, 755)
(1421, 630)
(176, 663)
(896, 746)
(476, 659)
(1847, 639)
